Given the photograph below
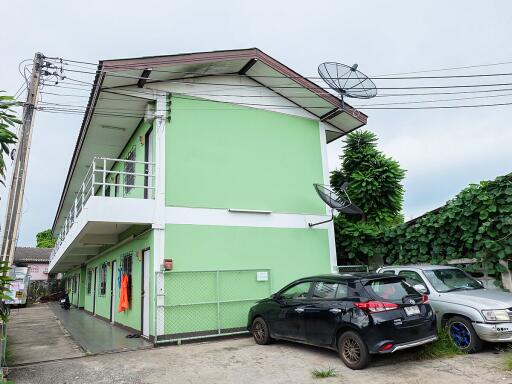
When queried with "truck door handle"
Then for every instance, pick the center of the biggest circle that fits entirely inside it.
(299, 310)
(335, 310)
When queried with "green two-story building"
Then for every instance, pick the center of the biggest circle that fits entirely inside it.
(193, 176)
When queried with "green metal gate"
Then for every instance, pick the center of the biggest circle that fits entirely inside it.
(199, 304)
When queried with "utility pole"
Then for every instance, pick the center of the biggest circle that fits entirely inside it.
(17, 185)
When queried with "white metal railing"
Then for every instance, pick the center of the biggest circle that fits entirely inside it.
(109, 178)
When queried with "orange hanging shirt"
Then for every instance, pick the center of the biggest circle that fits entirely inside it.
(123, 294)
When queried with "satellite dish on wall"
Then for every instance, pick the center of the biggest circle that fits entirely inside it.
(347, 81)
(341, 204)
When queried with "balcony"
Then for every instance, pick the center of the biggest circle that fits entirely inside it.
(115, 194)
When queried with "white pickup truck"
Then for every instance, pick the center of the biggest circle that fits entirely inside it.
(18, 286)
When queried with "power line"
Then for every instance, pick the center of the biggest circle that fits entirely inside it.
(208, 93)
(182, 81)
(446, 69)
(377, 77)
(120, 111)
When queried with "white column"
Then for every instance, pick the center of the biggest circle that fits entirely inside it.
(159, 220)
(325, 168)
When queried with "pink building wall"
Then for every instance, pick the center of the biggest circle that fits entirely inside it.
(36, 271)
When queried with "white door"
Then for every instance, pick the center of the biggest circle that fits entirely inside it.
(145, 297)
(114, 292)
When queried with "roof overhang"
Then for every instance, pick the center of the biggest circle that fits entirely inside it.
(111, 118)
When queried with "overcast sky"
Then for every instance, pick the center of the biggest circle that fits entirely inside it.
(442, 150)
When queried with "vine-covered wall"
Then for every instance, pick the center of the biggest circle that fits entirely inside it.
(476, 224)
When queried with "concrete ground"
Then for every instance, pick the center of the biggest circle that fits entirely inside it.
(34, 334)
(95, 335)
(242, 361)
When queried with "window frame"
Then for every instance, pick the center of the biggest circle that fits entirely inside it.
(89, 281)
(127, 260)
(129, 169)
(103, 280)
(337, 283)
(408, 278)
(308, 296)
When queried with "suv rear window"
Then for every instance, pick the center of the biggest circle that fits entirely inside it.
(390, 289)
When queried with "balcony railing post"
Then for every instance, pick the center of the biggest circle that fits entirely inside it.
(104, 175)
(93, 176)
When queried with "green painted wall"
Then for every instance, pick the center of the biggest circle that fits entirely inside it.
(74, 297)
(131, 317)
(222, 155)
(139, 146)
(287, 253)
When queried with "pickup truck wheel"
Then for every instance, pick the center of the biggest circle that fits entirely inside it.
(353, 350)
(463, 334)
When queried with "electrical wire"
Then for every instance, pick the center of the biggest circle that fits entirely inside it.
(377, 77)
(77, 84)
(181, 81)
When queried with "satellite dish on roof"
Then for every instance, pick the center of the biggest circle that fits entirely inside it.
(341, 204)
(347, 81)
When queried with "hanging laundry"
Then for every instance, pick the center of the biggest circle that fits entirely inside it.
(119, 273)
(123, 294)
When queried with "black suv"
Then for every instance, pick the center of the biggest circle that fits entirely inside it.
(355, 314)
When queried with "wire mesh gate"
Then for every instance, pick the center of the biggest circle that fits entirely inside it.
(199, 304)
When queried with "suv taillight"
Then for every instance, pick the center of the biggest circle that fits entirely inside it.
(424, 299)
(376, 306)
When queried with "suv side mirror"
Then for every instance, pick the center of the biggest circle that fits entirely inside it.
(275, 296)
(421, 288)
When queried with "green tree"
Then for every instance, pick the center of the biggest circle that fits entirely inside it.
(45, 239)
(375, 185)
(8, 120)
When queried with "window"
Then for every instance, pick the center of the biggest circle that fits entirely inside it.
(411, 277)
(34, 269)
(388, 272)
(324, 290)
(74, 283)
(89, 281)
(332, 291)
(451, 279)
(391, 289)
(116, 187)
(103, 279)
(299, 291)
(126, 263)
(129, 168)
(126, 267)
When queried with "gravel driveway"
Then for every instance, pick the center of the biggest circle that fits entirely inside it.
(242, 361)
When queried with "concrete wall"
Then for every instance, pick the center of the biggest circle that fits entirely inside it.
(131, 317)
(227, 156)
(36, 271)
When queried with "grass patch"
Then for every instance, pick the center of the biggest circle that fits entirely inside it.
(507, 361)
(323, 373)
(441, 348)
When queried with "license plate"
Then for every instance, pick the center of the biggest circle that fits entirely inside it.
(413, 310)
(503, 328)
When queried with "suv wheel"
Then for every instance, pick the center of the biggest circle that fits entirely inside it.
(260, 331)
(353, 350)
(463, 334)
